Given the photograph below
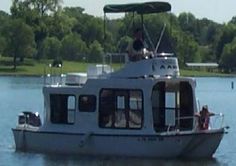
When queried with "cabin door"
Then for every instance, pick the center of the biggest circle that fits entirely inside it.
(172, 106)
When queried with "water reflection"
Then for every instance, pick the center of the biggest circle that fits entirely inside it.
(27, 83)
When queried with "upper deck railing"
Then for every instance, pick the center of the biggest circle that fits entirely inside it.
(53, 75)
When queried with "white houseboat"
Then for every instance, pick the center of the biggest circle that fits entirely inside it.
(145, 109)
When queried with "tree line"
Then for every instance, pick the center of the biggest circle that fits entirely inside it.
(40, 29)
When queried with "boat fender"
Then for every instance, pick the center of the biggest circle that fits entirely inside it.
(85, 139)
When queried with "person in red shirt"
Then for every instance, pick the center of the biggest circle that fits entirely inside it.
(204, 118)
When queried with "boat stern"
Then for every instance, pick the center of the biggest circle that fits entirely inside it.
(27, 121)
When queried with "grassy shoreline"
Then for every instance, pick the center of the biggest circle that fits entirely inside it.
(195, 73)
(38, 68)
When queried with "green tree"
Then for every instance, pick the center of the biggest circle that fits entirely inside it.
(20, 41)
(4, 19)
(123, 44)
(73, 47)
(226, 36)
(93, 30)
(89, 27)
(46, 6)
(37, 14)
(60, 25)
(95, 52)
(42, 7)
(186, 48)
(76, 13)
(51, 48)
(20, 9)
(233, 20)
(228, 57)
(3, 45)
(187, 22)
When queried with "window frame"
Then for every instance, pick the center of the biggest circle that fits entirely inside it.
(113, 92)
(59, 122)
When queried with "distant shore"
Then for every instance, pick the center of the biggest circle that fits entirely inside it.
(202, 73)
(35, 68)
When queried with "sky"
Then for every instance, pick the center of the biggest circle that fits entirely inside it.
(220, 11)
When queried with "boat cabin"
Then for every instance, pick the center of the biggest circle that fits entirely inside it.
(154, 99)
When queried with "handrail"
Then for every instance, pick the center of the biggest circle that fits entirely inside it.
(216, 122)
(218, 118)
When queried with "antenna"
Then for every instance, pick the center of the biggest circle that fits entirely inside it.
(104, 40)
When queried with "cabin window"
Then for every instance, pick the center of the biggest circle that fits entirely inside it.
(136, 107)
(62, 108)
(87, 103)
(71, 109)
(170, 99)
(120, 108)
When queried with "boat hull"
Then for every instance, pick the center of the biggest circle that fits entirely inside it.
(194, 144)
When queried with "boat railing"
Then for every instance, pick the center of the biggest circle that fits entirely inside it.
(216, 122)
(53, 75)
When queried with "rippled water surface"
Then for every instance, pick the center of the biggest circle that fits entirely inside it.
(19, 94)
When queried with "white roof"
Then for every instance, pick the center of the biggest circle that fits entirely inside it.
(157, 66)
(202, 64)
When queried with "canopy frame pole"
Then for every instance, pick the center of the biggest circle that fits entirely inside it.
(133, 23)
(104, 40)
(142, 24)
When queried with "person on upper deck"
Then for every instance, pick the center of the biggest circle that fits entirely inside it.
(136, 47)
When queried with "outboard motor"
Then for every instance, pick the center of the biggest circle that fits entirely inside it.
(29, 118)
(21, 119)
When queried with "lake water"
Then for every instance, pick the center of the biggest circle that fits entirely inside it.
(19, 94)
